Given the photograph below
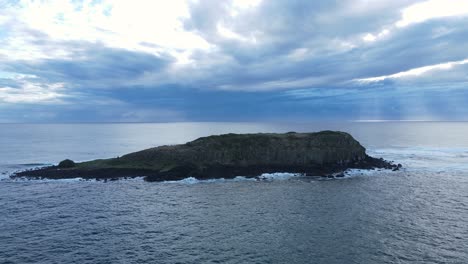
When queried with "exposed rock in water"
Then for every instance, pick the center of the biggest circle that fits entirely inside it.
(65, 164)
(227, 156)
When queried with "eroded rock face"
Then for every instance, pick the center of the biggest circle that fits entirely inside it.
(301, 149)
(227, 156)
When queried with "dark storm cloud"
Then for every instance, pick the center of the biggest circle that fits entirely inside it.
(92, 64)
(267, 60)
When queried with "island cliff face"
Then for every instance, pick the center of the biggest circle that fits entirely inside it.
(228, 156)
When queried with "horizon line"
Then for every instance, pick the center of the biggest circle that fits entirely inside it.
(314, 121)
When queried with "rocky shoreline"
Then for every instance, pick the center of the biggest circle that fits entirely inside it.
(326, 154)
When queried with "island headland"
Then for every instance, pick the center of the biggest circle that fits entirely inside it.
(227, 156)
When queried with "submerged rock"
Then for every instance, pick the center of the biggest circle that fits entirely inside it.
(228, 156)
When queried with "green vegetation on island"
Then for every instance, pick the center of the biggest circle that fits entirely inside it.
(227, 156)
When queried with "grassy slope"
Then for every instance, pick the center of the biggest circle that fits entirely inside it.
(230, 148)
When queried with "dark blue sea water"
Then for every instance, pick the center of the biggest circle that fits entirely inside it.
(417, 215)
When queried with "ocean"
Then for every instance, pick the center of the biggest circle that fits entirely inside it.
(416, 215)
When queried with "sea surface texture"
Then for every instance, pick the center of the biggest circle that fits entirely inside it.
(417, 215)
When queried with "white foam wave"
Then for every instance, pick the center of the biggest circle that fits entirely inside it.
(7, 170)
(426, 158)
(73, 180)
(4, 177)
(192, 180)
(361, 172)
(25, 179)
(280, 176)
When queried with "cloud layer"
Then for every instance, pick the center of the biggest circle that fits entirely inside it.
(207, 60)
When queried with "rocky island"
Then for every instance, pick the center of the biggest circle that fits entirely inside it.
(227, 156)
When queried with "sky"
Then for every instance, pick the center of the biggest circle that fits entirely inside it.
(233, 60)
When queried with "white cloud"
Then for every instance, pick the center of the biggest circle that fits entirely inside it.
(283, 84)
(288, 37)
(421, 12)
(414, 72)
(441, 32)
(244, 4)
(16, 76)
(371, 37)
(140, 25)
(299, 54)
(229, 34)
(239, 6)
(30, 89)
(33, 93)
(3, 19)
